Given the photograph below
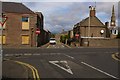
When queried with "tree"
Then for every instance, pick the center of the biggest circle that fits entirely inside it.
(52, 35)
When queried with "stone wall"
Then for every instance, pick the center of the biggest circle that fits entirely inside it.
(101, 42)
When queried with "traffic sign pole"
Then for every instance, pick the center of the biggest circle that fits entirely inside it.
(3, 19)
(1, 51)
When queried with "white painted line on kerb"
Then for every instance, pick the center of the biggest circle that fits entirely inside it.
(99, 70)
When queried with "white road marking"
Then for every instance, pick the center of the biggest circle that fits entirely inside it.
(99, 70)
(8, 54)
(63, 46)
(64, 62)
(69, 56)
(48, 46)
(27, 54)
(36, 54)
(55, 53)
(13, 54)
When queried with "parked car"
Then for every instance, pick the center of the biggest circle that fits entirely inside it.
(52, 41)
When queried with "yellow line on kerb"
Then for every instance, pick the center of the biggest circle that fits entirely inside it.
(33, 69)
(113, 56)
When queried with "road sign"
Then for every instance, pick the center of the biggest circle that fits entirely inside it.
(4, 19)
(77, 35)
(37, 31)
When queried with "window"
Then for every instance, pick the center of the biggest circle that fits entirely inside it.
(25, 39)
(25, 23)
(4, 39)
(111, 31)
(114, 31)
(24, 19)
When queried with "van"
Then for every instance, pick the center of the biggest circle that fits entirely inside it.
(52, 41)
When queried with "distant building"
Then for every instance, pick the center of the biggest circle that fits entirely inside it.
(91, 27)
(113, 28)
(19, 30)
(70, 34)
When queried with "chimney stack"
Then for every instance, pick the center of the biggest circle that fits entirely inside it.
(92, 11)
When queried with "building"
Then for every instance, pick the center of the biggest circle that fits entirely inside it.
(19, 29)
(113, 28)
(40, 19)
(70, 34)
(91, 27)
(44, 35)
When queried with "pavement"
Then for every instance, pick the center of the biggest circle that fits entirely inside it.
(12, 68)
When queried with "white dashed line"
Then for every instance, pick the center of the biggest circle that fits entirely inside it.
(69, 56)
(27, 54)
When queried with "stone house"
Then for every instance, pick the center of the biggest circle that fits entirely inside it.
(19, 29)
(91, 27)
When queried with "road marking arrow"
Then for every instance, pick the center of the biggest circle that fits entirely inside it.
(60, 64)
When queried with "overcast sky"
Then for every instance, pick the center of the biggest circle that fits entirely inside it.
(64, 14)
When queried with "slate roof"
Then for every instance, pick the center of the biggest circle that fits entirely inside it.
(12, 7)
(94, 21)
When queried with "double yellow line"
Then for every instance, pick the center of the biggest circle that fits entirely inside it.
(113, 56)
(33, 69)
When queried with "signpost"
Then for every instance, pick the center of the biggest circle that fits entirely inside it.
(77, 36)
(37, 32)
(3, 19)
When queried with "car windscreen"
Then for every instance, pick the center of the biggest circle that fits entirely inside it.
(52, 39)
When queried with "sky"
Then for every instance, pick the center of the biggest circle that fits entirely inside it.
(64, 14)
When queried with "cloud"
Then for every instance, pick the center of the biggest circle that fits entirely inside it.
(59, 15)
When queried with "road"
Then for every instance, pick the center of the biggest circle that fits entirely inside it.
(58, 61)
